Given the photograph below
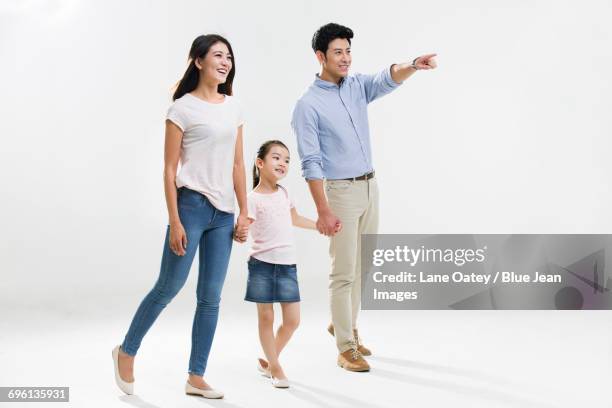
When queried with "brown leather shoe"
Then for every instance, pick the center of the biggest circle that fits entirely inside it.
(360, 347)
(352, 360)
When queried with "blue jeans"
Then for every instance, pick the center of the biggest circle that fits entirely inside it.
(211, 230)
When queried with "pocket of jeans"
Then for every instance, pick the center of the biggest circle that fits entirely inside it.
(226, 218)
(339, 185)
(253, 261)
(292, 274)
(189, 199)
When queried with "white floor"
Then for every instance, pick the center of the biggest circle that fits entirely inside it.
(421, 359)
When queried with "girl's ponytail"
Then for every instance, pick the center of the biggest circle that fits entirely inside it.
(255, 175)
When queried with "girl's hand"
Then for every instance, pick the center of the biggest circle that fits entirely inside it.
(241, 230)
(178, 239)
(338, 227)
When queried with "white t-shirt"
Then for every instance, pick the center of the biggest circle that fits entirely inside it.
(208, 146)
(272, 227)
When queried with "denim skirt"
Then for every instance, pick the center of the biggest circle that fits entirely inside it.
(270, 283)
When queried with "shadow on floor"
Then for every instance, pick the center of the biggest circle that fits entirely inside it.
(476, 391)
(312, 394)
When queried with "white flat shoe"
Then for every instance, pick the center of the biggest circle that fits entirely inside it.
(265, 371)
(280, 383)
(127, 387)
(212, 394)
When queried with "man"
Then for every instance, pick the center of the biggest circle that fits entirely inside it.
(330, 122)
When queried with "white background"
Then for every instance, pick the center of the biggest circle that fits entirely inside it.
(511, 134)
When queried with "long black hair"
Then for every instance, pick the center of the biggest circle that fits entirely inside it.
(261, 154)
(199, 48)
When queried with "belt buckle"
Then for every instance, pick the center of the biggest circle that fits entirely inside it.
(359, 178)
(366, 177)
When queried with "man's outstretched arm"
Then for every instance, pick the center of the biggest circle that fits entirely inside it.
(401, 72)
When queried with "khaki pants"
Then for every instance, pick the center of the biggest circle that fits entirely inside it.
(356, 204)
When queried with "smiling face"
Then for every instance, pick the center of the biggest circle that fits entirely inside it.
(216, 64)
(337, 59)
(275, 165)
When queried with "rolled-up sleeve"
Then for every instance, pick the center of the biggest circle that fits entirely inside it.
(177, 116)
(377, 85)
(304, 123)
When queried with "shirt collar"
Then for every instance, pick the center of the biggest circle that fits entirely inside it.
(326, 84)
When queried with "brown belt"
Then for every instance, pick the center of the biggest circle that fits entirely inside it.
(363, 177)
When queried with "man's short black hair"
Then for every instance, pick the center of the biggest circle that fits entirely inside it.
(328, 33)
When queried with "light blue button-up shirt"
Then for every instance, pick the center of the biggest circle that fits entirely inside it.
(330, 123)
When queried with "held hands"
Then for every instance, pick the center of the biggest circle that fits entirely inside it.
(425, 62)
(241, 230)
(328, 224)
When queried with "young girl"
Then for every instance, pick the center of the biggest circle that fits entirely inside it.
(272, 270)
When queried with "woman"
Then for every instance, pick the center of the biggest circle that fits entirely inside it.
(204, 131)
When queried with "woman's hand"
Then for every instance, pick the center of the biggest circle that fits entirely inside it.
(241, 230)
(178, 239)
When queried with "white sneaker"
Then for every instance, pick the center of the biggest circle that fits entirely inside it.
(212, 394)
(265, 371)
(280, 383)
(127, 387)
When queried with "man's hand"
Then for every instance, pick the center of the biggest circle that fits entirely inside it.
(328, 224)
(401, 72)
(425, 62)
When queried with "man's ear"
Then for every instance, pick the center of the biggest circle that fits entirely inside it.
(321, 57)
